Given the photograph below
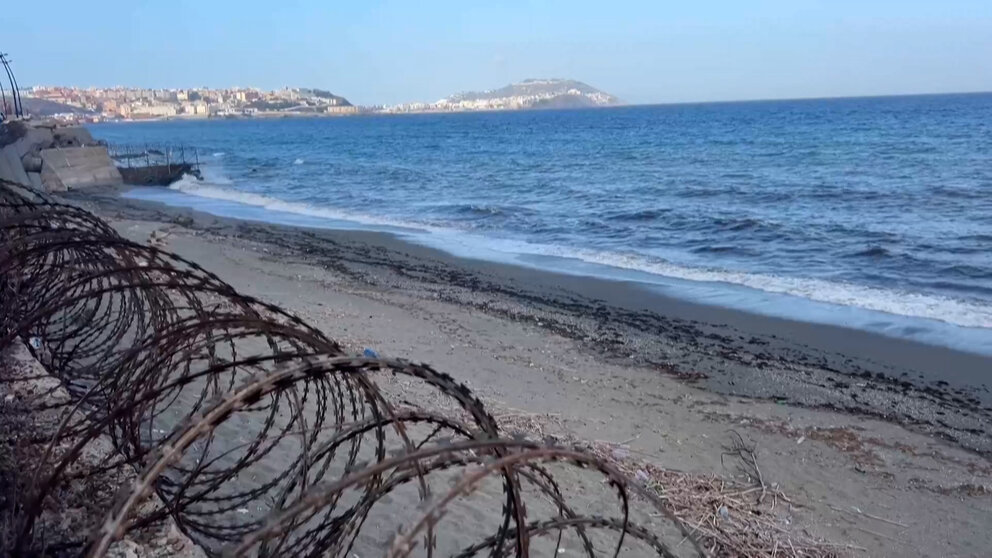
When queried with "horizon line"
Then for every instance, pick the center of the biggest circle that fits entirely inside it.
(622, 104)
(810, 98)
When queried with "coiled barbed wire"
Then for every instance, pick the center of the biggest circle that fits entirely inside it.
(258, 435)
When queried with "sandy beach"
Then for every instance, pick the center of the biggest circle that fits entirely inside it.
(871, 438)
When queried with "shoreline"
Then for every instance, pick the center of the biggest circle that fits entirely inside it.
(936, 390)
(550, 355)
(806, 301)
(615, 106)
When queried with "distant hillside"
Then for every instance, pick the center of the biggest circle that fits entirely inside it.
(303, 100)
(43, 107)
(320, 93)
(533, 94)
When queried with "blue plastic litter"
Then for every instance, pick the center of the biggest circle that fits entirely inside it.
(370, 353)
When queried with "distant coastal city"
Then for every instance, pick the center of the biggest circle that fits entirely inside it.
(95, 104)
(126, 103)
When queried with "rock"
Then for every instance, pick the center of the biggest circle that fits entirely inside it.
(620, 454)
(48, 123)
(73, 137)
(34, 140)
(126, 548)
(12, 131)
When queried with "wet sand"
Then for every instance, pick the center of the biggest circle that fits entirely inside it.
(844, 420)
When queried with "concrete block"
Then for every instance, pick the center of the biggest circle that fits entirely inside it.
(6, 173)
(78, 167)
(12, 131)
(11, 168)
(33, 141)
(31, 163)
(50, 180)
(34, 178)
(73, 137)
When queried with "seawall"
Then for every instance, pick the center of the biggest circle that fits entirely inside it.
(46, 157)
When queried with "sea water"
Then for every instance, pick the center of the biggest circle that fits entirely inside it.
(872, 213)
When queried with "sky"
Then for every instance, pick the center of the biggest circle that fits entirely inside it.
(386, 52)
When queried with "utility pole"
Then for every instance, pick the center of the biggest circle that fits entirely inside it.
(3, 103)
(14, 90)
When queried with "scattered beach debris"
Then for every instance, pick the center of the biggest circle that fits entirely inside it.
(746, 461)
(159, 238)
(746, 527)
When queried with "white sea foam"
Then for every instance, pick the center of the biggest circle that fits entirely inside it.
(963, 313)
(298, 162)
(212, 174)
(933, 307)
(209, 188)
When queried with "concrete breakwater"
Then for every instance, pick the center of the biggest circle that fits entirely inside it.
(46, 157)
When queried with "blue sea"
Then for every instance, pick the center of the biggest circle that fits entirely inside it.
(871, 213)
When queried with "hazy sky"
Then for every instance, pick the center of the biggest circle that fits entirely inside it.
(390, 51)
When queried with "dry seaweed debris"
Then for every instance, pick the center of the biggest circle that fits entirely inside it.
(727, 517)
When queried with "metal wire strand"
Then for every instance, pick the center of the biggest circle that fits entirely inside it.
(254, 432)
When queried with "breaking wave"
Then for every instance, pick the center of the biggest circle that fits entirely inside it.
(964, 313)
(958, 312)
(208, 189)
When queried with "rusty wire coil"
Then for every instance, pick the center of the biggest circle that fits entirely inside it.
(258, 435)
